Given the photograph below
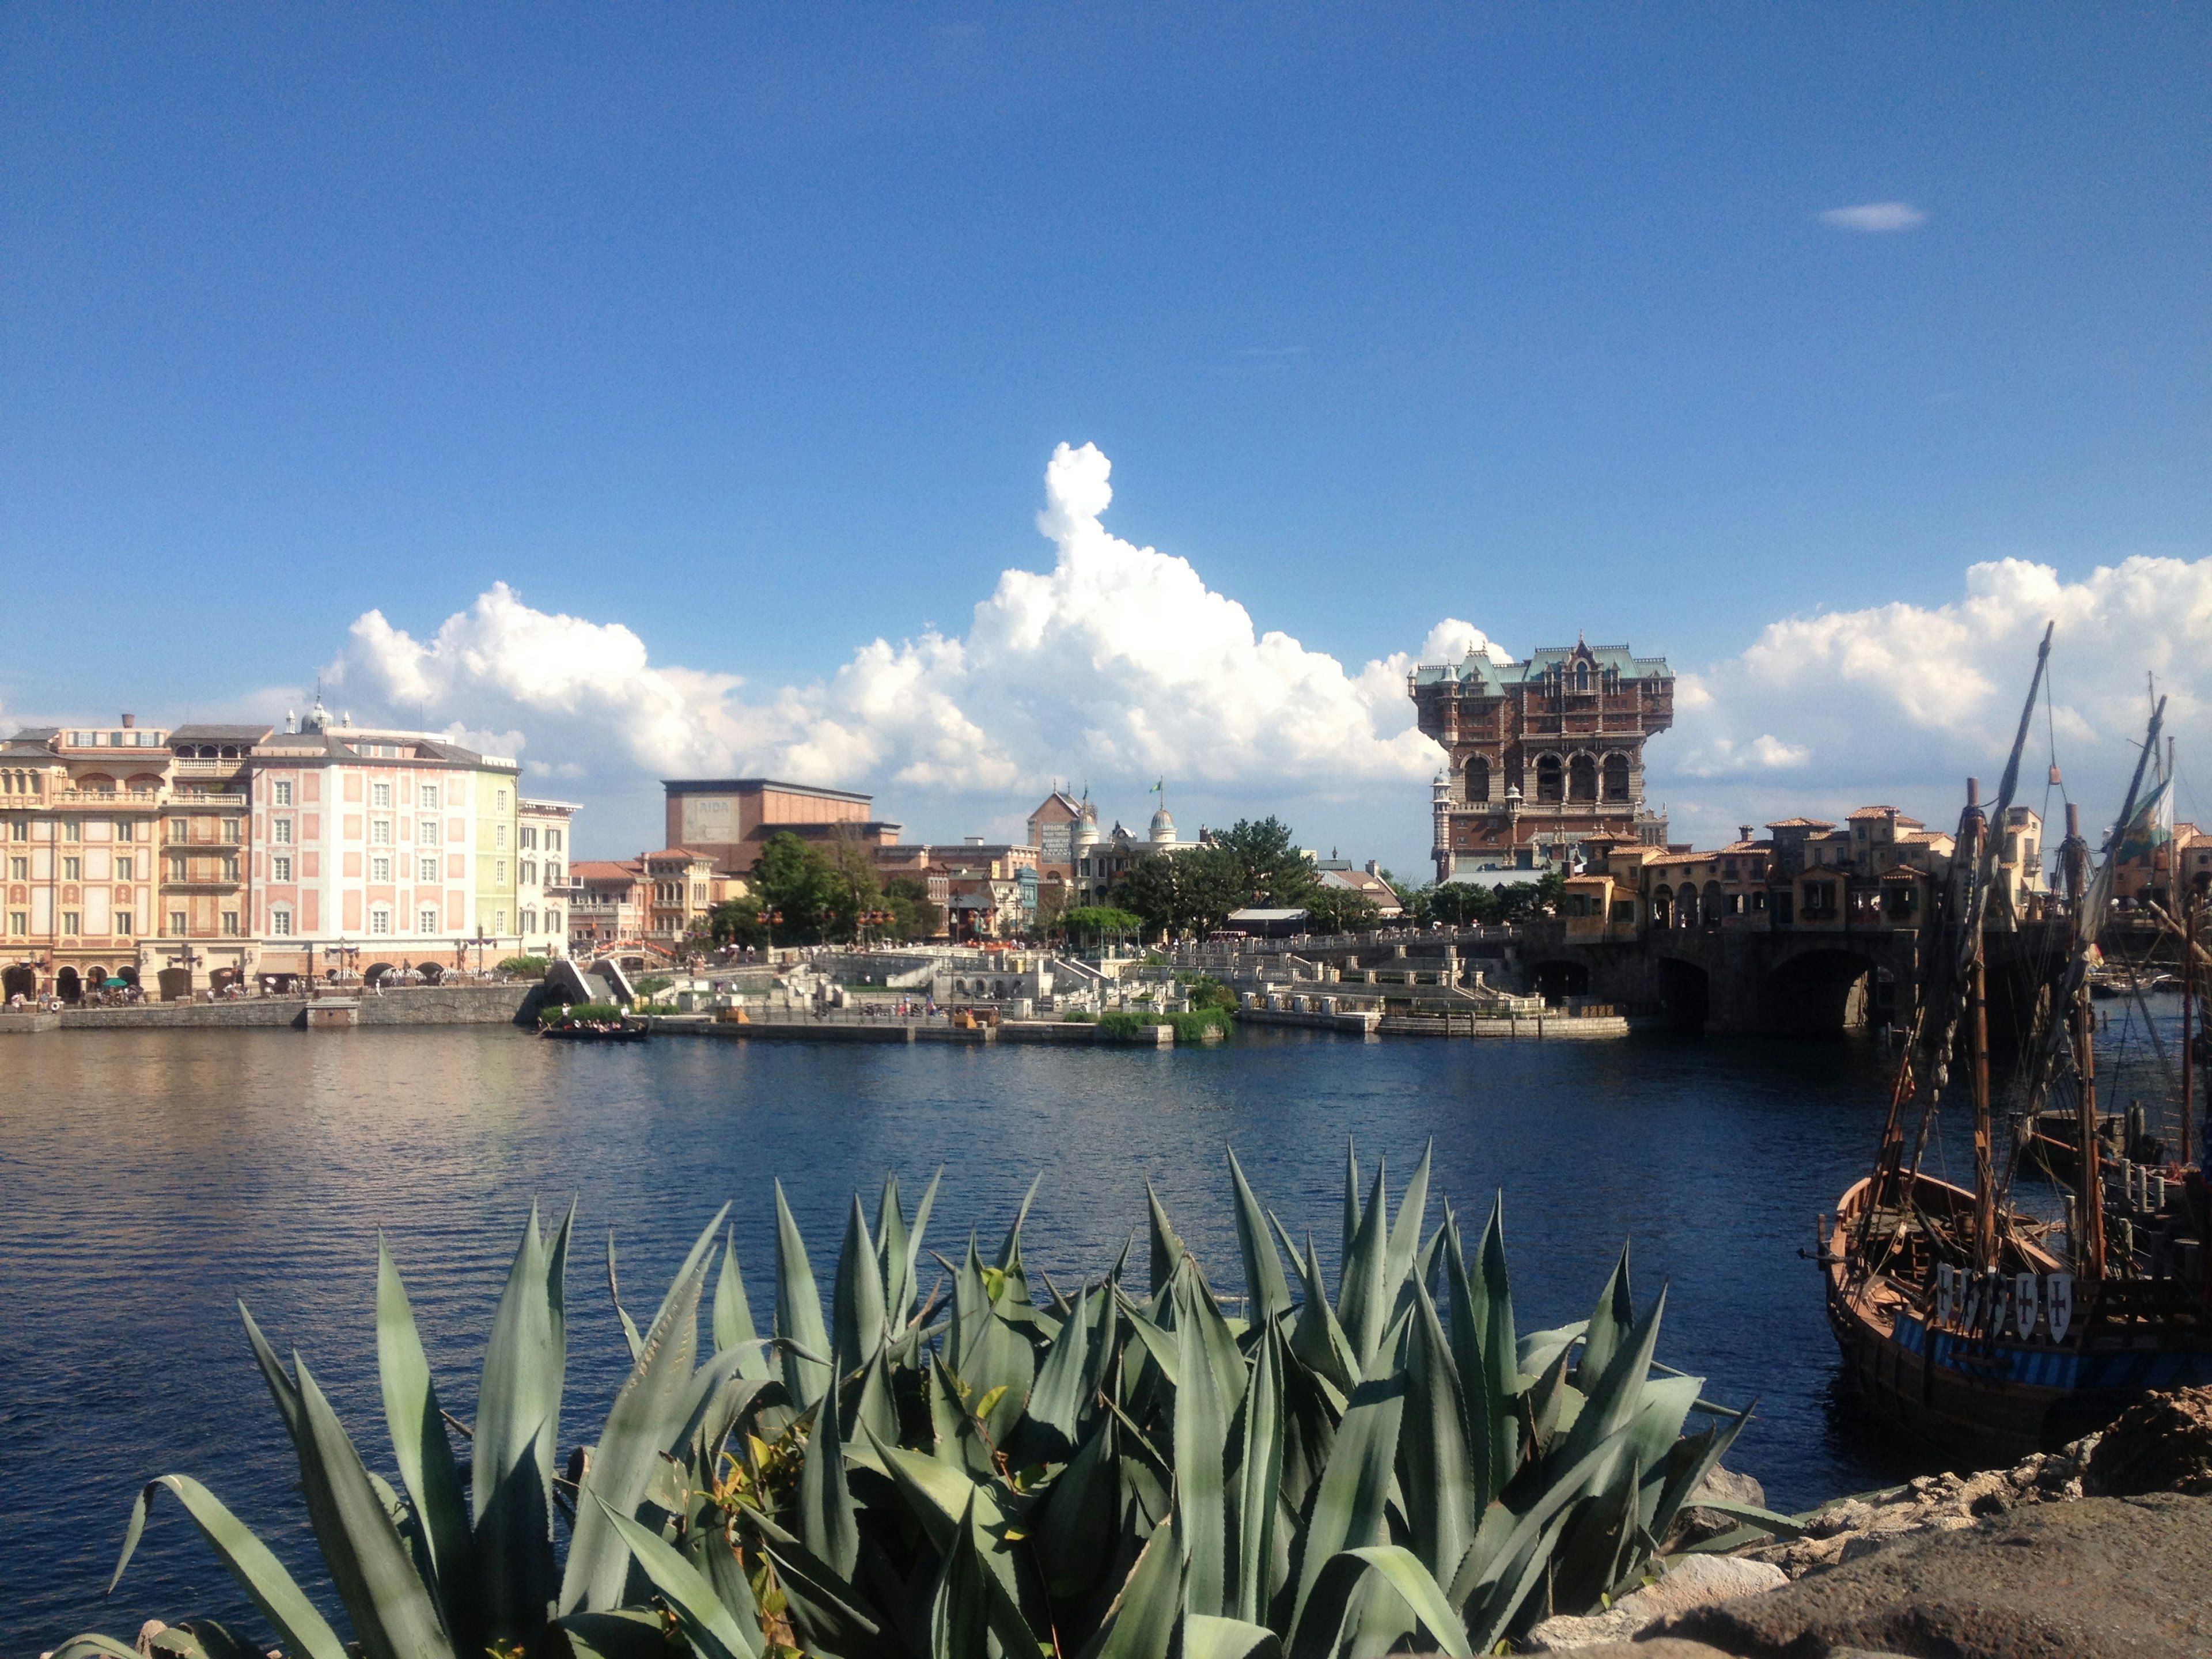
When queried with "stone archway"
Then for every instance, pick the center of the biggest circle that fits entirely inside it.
(1555, 981)
(68, 986)
(176, 984)
(1820, 991)
(1685, 993)
(20, 981)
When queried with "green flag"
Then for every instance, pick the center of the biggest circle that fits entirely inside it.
(2146, 831)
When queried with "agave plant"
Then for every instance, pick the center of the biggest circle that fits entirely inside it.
(979, 1470)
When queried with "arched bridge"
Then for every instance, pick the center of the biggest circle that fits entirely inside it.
(1771, 979)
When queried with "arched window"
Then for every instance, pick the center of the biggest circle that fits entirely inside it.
(1685, 906)
(1616, 777)
(1716, 904)
(1547, 777)
(1477, 779)
(1582, 778)
(1662, 907)
(1581, 676)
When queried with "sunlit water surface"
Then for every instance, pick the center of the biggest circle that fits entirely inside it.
(154, 1179)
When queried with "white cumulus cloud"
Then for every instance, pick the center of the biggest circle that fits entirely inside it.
(1117, 664)
(1904, 703)
(1875, 217)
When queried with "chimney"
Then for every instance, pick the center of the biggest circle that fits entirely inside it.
(130, 720)
(1973, 792)
(1743, 832)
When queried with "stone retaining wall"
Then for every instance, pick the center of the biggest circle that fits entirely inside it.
(423, 1005)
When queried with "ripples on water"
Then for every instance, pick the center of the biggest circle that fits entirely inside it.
(153, 1179)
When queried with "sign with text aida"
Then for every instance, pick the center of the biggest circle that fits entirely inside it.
(710, 819)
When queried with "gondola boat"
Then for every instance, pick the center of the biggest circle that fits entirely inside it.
(595, 1031)
(1970, 1324)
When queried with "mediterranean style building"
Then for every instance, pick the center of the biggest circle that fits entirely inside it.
(1540, 756)
(542, 891)
(193, 859)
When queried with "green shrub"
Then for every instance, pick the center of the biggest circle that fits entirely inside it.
(1207, 992)
(1193, 1026)
(525, 967)
(1079, 1016)
(654, 984)
(578, 1013)
(912, 1473)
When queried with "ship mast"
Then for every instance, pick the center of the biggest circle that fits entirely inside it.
(1974, 834)
(1973, 963)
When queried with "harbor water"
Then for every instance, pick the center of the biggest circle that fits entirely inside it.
(154, 1180)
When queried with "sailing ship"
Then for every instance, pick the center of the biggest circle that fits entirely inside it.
(1976, 1327)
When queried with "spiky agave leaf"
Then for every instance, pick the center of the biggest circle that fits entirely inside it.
(427, 1466)
(647, 1421)
(799, 1311)
(517, 1433)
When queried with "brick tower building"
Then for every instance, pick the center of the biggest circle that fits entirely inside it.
(1541, 754)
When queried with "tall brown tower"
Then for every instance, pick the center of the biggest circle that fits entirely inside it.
(1541, 755)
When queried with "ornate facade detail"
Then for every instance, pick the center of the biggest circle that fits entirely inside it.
(1540, 756)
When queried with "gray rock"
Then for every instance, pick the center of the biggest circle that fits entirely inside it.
(1693, 1581)
(2118, 1578)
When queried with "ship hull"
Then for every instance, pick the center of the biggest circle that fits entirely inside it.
(1988, 1402)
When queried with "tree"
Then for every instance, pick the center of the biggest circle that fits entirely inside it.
(915, 916)
(1095, 922)
(1191, 890)
(1461, 904)
(1339, 910)
(736, 921)
(796, 882)
(1268, 867)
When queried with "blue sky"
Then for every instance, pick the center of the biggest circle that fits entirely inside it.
(752, 330)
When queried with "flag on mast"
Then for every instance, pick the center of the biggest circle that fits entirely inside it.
(2147, 830)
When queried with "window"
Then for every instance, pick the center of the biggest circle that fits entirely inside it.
(380, 832)
(529, 924)
(280, 868)
(553, 921)
(1548, 780)
(427, 832)
(230, 830)
(552, 875)
(552, 841)
(280, 922)
(426, 923)
(498, 835)
(428, 797)
(230, 924)
(19, 869)
(19, 921)
(529, 872)
(526, 838)
(498, 800)
(177, 927)
(499, 873)
(380, 795)
(72, 829)
(379, 869)
(379, 920)
(20, 829)
(281, 792)
(69, 923)
(499, 921)
(124, 866)
(282, 829)
(123, 924)
(72, 869)
(124, 830)
(427, 869)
